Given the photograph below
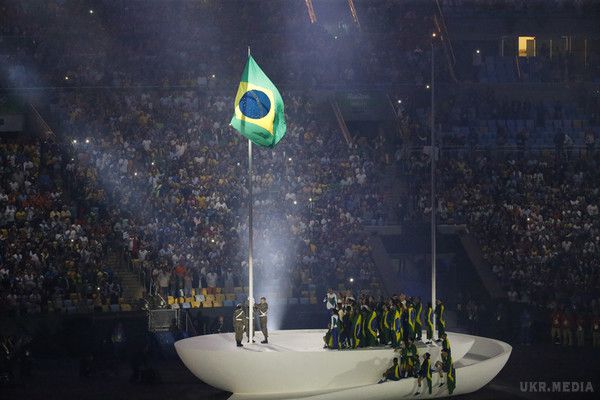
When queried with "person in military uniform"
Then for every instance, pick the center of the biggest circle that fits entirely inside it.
(261, 308)
(239, 319)
(392, 373)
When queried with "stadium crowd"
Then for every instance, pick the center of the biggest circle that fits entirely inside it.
(484, 117)
(187, 229)
(48, 254)
(536, 219)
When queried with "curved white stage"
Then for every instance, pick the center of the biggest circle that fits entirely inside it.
(294, 365)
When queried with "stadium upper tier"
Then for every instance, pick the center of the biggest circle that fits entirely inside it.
(204, 43)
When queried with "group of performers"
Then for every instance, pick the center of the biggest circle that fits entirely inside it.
(423, 371)
(366, 323)
(395, 322)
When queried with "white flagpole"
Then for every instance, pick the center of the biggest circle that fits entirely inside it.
(433, 194)
(250, 244)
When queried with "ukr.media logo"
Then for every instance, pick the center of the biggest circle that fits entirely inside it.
(557, 387)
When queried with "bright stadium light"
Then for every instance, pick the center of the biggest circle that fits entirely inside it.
(66, 77)
(91, 11)
(399, 101)
(152, 163)
(290, 159)
(135, 174)
(477, 51)
(295, 202)
(427, 87)
(433, 34)
(74, 141)
(87, 140)
(351, 280)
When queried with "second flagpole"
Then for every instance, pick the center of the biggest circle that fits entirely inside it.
(250, 244)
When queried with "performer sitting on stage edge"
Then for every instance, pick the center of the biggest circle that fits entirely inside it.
(392, 373)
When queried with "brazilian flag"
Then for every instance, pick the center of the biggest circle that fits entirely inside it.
(258, 107)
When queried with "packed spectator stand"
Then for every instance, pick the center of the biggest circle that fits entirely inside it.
(145, 163)
(190, 227)
(50, 259)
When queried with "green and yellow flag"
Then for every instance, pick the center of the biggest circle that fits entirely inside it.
(258, 107)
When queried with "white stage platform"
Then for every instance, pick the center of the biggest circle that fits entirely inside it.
(295, 365)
